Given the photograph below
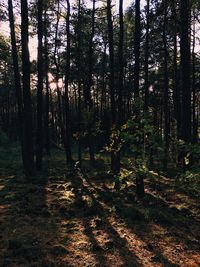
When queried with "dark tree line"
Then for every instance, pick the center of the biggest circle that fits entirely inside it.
(127, 83)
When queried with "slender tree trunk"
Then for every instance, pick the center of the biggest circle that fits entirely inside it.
(112, 86)
(39, 137)
(121, 65)
(176, 87)
(146, 67)
(18, 88)
(111, 60)
(59, 94)
(166, 93)
(28, 127)
(79, 83)
(90, 59)
(186, 124)
(194, 119)
(103, 91)
(120, 81)
(46, 121)
(67, 72)
(185, 71)
(89, 85)
(137, 37)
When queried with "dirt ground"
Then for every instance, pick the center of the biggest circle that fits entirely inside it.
(65, 217)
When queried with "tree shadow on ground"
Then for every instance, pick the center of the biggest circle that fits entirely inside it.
(66, 218)
(161, 184)
(29, 229)
(113, 243)
(152, 209)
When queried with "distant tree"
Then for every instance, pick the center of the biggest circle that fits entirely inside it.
(28, 126)
(185, 70)
(67, 74)
(18, 88)
(40, 68)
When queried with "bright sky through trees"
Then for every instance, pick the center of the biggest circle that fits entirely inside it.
(33, 41)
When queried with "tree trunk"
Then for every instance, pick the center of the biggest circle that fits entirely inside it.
(18, 88)
(166, 93)
(146, 67)
(194, 119)
(46, 121)
(120, 81)
(176, 86)
(28, 127)
(79, 84)
(67, 72)
(39, 137)
(137, 36)
(185, 71)
(112, 85)
(89, 84)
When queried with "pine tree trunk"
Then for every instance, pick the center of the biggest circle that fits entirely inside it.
(194, 119)
(79, 83)
(120, 81)
(67, 72)
(39, 137)
(137, 36)
(89, 84)
(28, 127)
(146, 67)
(18, 88)
(111, 81)
(46, 121)
(166, 93)
(185, 71)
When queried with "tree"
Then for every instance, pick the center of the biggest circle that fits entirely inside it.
(137, 37)
(18, 88)
(114, 137)
(89, 102)
(46, 117)
(28, 126)
(146, 67)
(67, 72)
(166, 91)
(185, 70)
(39, 138)
(79, 83)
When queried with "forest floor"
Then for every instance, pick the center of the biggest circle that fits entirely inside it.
(65, 217)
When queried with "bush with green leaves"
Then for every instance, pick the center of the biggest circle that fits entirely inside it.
(139, 138)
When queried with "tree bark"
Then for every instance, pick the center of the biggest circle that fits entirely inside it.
(39, 136)
(166, 92)
(137, 37)
(146, 67)
(18, 88)
(28, 127)
(89, 101)
(67, 73)
(79, 83)
(46, 121)
(185, 71)
(176, 86)
(112, 88)
(194, 119)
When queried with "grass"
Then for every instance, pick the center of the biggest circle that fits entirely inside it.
(64, 217)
